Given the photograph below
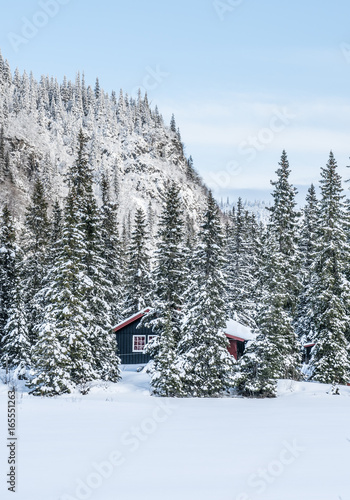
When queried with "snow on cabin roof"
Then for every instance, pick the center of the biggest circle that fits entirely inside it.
(129, 320)
(238, 331)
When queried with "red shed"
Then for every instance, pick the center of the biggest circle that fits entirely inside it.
(238, 335)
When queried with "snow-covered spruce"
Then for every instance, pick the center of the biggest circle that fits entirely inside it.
(329, 287)
(73, 347)
(14, 343)
(206, 365)
(304, 322)
(138, 273)
(35, 243)
(241, 269)
(275, 353)
(165, 317)
(283, 224)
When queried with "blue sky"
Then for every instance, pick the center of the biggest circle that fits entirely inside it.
(245, 78)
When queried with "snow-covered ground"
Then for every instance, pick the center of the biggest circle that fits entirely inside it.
(118, 442)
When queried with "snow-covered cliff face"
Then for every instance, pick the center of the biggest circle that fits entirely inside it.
(40, 121)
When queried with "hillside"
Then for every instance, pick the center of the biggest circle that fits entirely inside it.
(129, 141)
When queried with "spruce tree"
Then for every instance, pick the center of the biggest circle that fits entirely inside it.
(166, 314)
(14, 342)
(283, 225)
(173, 124)
(62, 355)
(15, 346)
(76, 321)
(97, 284)
(166, 375)
(111, 252)
(240, 267)
(275, 352)
(138, 281)
(207, 366)
(329, 286)
(308, 241)
(35, 244)
(7, 265)
(169, 275)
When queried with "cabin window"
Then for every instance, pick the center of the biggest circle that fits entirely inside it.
(150, 337)
(139, 343)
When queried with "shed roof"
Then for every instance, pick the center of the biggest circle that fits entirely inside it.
(237, 331)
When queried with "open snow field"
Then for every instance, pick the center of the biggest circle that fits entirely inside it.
(118, 442)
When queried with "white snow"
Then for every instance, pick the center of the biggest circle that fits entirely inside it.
(122, 443)
(237, 330)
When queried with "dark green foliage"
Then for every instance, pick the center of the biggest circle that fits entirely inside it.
(165, 317)
(35, 244)
(114, 262)
(7, 265)
(284, 226)
(307, 244)
(74, 331)
(166, 378)
(138, 280)
(242, 267)
(206, 365)
(173, 124)
(329, 287)
(170, 273)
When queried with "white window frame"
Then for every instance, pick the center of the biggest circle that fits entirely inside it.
(150, 337)
(133, 343)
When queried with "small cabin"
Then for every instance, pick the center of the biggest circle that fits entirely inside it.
(132, 339)
(238, 335)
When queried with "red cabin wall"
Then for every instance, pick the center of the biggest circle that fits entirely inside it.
(232, 349)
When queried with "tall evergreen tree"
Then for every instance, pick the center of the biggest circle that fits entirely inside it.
(111, 253)
(7, 265)
(169, 275)
(74, 331)
(15, 346)
(63, 355)
(207, 366)
(138, 287)
(35, 244)
(166, 375)
(283, 225)
(308, 241)
(240, 267)
(275, 352)
(14, 342)
(329, 286)
(97, 283)
(165, 317)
